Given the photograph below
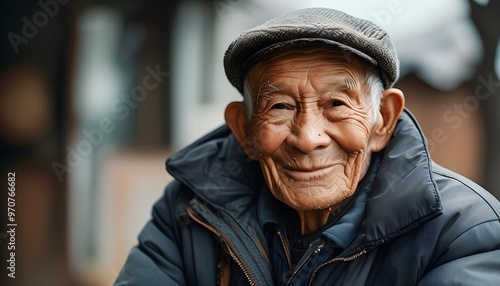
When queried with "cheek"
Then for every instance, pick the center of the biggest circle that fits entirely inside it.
(350, 129)
(351, 137)
(268, 138)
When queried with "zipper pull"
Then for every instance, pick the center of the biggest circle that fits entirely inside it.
(318, 248)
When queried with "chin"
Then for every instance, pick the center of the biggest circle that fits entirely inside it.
(313, 204)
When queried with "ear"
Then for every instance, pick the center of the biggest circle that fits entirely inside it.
(391, 106)
(236, 120)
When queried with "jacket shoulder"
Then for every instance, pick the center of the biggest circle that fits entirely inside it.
(460, 194)
(468, 234)
(469, 227)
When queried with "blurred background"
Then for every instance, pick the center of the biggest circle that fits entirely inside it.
(95, 95)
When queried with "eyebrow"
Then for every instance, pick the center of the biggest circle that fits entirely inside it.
(264, 86)
(350, 83)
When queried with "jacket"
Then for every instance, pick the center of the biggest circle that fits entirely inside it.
(414, 223)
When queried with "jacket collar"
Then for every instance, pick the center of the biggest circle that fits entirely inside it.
(218, 171)
(404, 193)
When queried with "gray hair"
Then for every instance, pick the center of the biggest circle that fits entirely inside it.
(372, 80)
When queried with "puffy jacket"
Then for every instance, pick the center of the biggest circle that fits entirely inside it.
(421, 224)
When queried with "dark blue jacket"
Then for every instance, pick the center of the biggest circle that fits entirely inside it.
(217, 222)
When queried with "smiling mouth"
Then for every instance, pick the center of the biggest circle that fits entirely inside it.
(299, 174)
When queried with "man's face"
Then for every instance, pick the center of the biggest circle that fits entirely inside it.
(311, 127)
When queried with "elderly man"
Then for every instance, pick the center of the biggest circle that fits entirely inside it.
(321, 177)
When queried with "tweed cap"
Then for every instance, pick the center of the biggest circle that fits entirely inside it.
(312, 27)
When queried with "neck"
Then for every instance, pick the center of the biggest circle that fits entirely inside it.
(312, 221)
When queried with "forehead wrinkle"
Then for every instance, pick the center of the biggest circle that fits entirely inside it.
(342, 65)
(338, 82)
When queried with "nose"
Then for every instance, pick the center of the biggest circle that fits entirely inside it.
(309, 133)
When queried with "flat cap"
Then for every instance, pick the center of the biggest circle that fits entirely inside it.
(312, 27)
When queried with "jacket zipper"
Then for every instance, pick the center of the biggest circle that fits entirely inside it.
(316, 251)
(226, 245)
(343, 259)
(287, 251)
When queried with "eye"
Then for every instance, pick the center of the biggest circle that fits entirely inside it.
(337, 103)
(279, 106)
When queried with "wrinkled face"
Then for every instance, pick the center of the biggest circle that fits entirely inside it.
(311, 127)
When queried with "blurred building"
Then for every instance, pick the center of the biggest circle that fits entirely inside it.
(95, 95)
